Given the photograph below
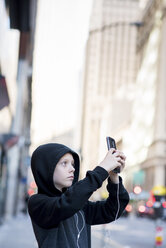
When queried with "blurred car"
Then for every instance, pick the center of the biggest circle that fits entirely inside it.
(145, 211)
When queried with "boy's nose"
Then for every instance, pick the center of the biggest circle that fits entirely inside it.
(72, 168)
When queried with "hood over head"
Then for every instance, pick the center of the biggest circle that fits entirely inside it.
(43, 163)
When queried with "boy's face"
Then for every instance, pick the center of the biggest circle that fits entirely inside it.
(64, 172)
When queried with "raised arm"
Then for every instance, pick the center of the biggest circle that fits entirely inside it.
(106, 211)
(48, 211)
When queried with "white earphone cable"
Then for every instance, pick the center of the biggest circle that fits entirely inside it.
(79, 231)
(118, 203)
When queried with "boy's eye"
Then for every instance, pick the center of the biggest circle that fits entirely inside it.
(64, 163)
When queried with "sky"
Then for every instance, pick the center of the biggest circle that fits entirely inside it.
(61, 34)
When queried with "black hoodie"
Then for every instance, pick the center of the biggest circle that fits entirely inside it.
(63, 219)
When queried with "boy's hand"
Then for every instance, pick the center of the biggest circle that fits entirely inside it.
(113, 159)
(114, 176)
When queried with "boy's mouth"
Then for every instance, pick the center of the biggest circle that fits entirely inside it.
(71, 177)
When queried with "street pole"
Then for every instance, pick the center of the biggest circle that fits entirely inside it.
(159, 234)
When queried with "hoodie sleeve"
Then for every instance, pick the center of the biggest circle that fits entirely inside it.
(47, 212)
(105, 211)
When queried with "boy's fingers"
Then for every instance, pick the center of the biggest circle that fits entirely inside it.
(121, 161)
(112, 150)
(121, 154)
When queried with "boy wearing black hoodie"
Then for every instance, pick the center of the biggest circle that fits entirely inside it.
(60, 212)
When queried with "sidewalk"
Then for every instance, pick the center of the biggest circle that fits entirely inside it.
(125, 232)
(17, 233)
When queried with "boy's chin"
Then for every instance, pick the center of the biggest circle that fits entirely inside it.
(69, 184)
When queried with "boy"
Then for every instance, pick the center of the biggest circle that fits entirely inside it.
(60, 212)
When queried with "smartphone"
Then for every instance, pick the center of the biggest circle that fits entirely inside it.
(111, 144)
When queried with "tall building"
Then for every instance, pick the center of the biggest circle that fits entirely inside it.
(16, 53)
(147, 153)
(124, 88)
(109, 78)
(8, 69)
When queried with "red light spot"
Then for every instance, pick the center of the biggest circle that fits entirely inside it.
(141, 209)
(128, 208)
(159, 229)
(31, 192)
(149, 204)
(164, 204)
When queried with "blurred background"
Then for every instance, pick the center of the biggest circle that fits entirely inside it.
(74, 72)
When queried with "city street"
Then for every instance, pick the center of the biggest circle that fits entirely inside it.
(17, 233)
(129, 232)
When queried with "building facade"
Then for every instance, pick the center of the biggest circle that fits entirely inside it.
(124, 87)
(148, 123)
(109, 79)
(17, 26)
